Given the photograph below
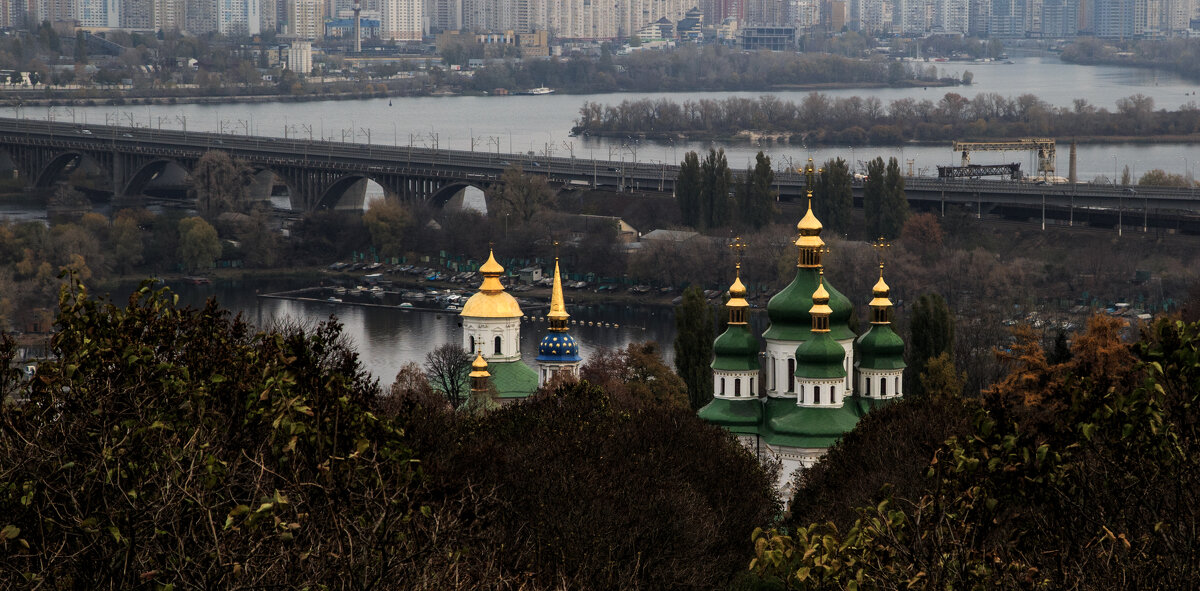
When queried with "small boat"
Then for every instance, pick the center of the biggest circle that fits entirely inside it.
(339, 290)
(539, 91)
(389, 102)
(406, 305)
(333, 300)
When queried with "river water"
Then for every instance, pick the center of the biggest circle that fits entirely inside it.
(542, 123)
(387, 338)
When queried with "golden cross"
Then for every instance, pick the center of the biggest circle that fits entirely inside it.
(881, 245)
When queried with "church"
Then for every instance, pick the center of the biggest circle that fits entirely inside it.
(818, 377)
(491, 321)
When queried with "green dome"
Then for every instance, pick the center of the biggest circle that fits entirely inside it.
(788, 310)
(881, 348)
(820, 357)
(736, 349)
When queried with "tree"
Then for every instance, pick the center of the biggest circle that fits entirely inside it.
(757, 205)
(687, 190)
(523, 195)
(922, 234)
(635, 375)
(716, 181)
(1161, 178)
(125, 243)
(894, 206)
(219, 184)
(162, 444)
(389, 223)
(931, 333)
(447, 367)
(694, 345)
(833, 196)
(874, 195)
(589, 491)
(199, 245)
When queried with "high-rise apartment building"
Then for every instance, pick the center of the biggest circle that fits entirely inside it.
(306, 19)
(200, 16)
(951, 16)
(1008, 18)
(52, 10)
(1060, 18)
(1119, 19)
(401, 20)
(99, 13)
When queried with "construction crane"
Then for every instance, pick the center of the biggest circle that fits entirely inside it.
(1043, 146)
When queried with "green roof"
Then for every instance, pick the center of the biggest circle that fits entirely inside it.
(820, 357)
(880, 348)
(788, 310)
(796, 426)
(736, 349)
(513, 379)
(738, 416)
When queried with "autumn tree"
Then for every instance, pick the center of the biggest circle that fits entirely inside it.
(694, 345)
(833, 197)
(636, 373)
(125, 243)
(218, 183)
(894, 206)
(874, 195)
(522, 195)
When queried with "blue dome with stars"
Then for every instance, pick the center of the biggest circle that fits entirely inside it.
(558, 346)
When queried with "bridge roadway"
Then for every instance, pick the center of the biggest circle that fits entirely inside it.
(318, 173)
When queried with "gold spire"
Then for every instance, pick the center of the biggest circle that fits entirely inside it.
(820, 310)
(479, 373)
(558, 309)
(491, 275)
(810, 227)
(880, 304)
(737, 303)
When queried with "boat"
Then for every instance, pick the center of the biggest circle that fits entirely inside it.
(333, 300)
(539, 91)
(406, 305)
(339, 290)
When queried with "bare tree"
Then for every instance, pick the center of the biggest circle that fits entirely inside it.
(447, 367)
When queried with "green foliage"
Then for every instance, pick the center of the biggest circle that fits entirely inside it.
(687, 189)
(874, 195)
(199, 245)
(591, 491)
(716, 182)
(894, 204)
(756, 199)
(1161, 178)
(167, 447)
(931, 333)
(833, 196)
(694, 345)
(390, 224)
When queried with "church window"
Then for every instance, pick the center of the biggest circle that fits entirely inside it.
(497, 345)
(882, 387)
(791, 375)
(868, 382)
(816, 395)
(737, 386)
(472, 344)
(722, 386)
(896, 390)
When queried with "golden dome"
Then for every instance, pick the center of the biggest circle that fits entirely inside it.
(491, 301)
(492, 305)
(737, 292)
(479, 367)
(809, 225)
(821, 298)
(881, 291)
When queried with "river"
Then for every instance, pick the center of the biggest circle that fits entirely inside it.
(387, 338)
(542, 123)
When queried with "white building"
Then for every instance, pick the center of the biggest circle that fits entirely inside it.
(401, 20)
(300, 57)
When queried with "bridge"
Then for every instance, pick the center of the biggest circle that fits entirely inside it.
(319, 174)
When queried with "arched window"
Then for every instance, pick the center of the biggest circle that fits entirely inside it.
(497, 345)
(896, 390)
(791, 375)
(722, 386)
(816, 395)
(473, 350)
(774, 380)
(752, 391)
(737, 386)
(868, 382)
(882, 387)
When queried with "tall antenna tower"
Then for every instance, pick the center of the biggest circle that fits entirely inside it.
(357, 27)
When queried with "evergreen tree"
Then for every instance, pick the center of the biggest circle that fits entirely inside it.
(757, 197)
(834, 198)
(694, 345)
(716, 180)
(873, 195)
(894, 210)
(931, 333)
(687, 189)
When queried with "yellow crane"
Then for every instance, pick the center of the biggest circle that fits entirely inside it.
(1043, 146)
